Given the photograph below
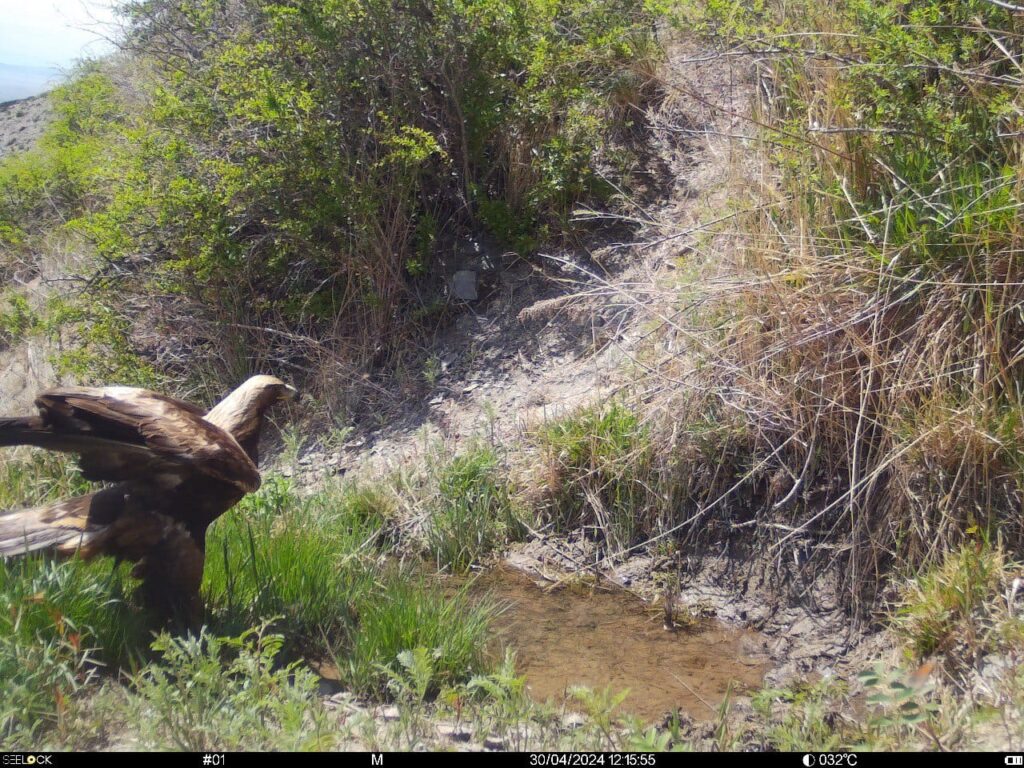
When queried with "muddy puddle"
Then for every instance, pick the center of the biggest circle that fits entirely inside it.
(598, 638)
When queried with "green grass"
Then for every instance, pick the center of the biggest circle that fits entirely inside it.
(800, 717)
(318, 568)
(959, 606)
(314, 578)
(472, 511)
(63, 624)
(598, 472)
(405, 611)
(308, 561)
(29, 477)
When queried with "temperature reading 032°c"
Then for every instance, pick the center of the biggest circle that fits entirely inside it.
(827, 759)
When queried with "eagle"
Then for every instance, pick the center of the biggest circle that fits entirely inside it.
(171, 469)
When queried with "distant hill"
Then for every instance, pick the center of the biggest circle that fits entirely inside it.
(19, 82)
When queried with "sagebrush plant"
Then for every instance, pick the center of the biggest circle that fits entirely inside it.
(859, 376)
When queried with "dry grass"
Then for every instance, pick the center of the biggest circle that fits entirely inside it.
(849, 391)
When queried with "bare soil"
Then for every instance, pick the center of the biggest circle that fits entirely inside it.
(22, 123)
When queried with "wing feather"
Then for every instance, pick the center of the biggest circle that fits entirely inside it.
(129, 434)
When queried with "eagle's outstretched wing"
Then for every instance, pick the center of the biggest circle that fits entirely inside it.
(174, 473)
(134, 435)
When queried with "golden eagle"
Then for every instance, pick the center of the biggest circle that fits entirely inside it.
(174, 469)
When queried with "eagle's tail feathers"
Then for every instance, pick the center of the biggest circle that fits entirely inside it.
(61, 527)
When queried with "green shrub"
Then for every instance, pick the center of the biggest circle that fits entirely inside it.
(216, 693)
(298, 166)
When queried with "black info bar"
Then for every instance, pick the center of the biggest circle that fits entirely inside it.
(517, 759)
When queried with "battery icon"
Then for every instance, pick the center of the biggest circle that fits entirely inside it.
(1014, 759)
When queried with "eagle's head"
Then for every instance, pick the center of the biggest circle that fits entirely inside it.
(241, 412)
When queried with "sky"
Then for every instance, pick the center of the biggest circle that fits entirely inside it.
(52, 33)
(39, 39)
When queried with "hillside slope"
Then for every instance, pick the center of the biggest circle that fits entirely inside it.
(709, 350)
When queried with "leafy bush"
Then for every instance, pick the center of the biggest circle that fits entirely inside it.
(296, 166)
(211, 692)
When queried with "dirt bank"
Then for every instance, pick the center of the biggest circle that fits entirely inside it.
(22, 122)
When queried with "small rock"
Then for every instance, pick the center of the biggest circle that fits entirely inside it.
(574, 720)
(389, 713)
(464, 285)
(453, 732)
(329, 687)
(342, 697)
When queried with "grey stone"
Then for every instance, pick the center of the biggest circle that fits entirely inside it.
(453, 732)
(464, 285)
(573, 720)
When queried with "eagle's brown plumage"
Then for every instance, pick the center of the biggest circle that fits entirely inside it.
(175, 471)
